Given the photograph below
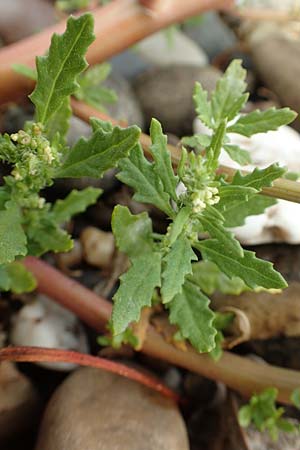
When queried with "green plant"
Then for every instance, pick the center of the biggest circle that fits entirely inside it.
(263, 413)
(197, 201)
(39, 154)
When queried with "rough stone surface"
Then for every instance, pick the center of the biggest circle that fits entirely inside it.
(95, 410)
(19, 404)
(166, 94)
(21, 18)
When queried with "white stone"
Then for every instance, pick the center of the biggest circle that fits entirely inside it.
(43, 323)
(182, 50)
(281, 222)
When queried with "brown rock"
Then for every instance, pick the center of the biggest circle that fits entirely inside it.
(21, 18)
(19, 403)
(165, 93)
(96, 410)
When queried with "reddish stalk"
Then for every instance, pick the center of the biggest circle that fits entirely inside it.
(118, 25)
(239, 373)
(38, 354)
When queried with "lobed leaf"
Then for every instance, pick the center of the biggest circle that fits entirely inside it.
(237, 154)
(229, 97)
(190, 311)
(92, 157)
(162, 159)
(75, 203)
(16, 278)
(203, 106)
(133, 233)
(137, 172)
(253, 271)
(262, 121)
(58, 70)
(12, 236)
(136, 290)
(177, 264)
(212, 222)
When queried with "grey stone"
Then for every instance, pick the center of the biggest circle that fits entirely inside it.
(21, 18)
(96, 410)
(166, 93)
(182, 50)
(127, 106)
(212, 35)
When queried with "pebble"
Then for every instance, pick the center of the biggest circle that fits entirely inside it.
(44, 323)
(97, 410)
(157, 50)
(165, 93)
(127, 106)
(19, 402)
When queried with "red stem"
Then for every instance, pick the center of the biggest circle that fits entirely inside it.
(118, 25)
(239, 373)
(37, 354)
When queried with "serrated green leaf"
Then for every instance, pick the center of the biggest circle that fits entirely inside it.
(136, 290)
(162, 159)
(59, 122)
(237, 154)
(75, 203)
(103, 125)
(47, 236)
(177, 264)
(253, 271)
(229, 97)
(133, 233)
(259, 178)
(57, 72)
(236, 212)
(177, 225)
(232, 193)
(214, 150)
(198, 141)
(262, 121)
(92, 157)
(12, 237)
(203, 106)
(137, 172)
(17, 278)
(210, 279)
(212, 222)
(190, 311)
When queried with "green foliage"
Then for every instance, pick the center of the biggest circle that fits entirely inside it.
(197, 201)
(38, 154)
(58, 71)
(91, 90)
(225, 104)
(16, 278)
(263, 413)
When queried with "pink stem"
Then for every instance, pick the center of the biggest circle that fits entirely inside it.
(37, 354)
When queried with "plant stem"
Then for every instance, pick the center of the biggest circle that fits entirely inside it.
(282, 188)
(38, 354)
(118, 25)
(239, 373)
